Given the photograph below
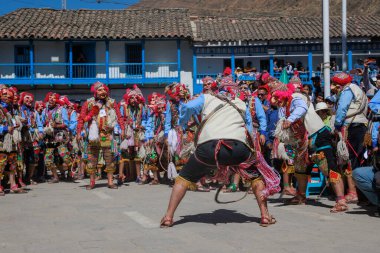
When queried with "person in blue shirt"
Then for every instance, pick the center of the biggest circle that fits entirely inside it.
(31, 132)
(8, 152)
(132, 112)
(351, 121)
(56, 136)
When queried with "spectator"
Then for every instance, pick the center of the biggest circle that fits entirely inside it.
(289, 68)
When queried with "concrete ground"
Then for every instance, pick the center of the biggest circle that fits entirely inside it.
(65, 217)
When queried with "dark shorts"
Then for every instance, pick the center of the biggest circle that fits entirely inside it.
(202, 162)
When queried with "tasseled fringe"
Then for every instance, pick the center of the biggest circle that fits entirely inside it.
(93, 134)
(130, 137)
(342, 149)
(271, 176)
(142, 152)
(172, 141)
(48, 130)
(124, 145)
(7, 144)
(17, 136)
(75, 145)
(284, 135)
(172, 172)
(111, 118)
(281, 152)
(187, 150)
(189, 185)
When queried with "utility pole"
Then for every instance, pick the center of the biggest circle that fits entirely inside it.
(326, 48)
(63, 3)
(344, 35)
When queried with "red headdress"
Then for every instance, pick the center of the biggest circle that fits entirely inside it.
(95, 86)
(284, 94)
(13, 89)
(38, 103)
(51, 94)
(227, 71)
(296, 82)
(265, 77)
(160, 101)
(275, 85)
(23, 95)
(135, 91)
(63, 100)
(174, 89)
(342, 78)
(150, 97)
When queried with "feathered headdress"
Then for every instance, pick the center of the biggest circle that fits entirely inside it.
(51, 94)
(135, 91)
(174, 89)
(23, 95)
(38, 103)
(95, 86)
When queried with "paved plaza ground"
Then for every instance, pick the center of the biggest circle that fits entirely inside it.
(65, 217)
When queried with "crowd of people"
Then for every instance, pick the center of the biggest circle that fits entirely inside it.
(289, 127)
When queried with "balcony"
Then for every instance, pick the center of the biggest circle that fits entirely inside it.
(87, 73)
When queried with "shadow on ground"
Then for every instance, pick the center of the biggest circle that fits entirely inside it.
(218, 216)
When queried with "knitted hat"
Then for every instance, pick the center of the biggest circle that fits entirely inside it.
(341, 78)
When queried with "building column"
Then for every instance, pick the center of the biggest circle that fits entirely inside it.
(349, 60)
(195, 85)
(310, 64)
(179, 59)
(31, 61)
(233, 62)
(71, 62)
(107, 62)
(271, 65)
(143, 67)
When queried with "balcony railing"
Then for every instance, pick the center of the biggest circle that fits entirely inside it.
(82, 73)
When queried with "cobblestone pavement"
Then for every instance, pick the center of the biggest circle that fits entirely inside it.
(65, 217)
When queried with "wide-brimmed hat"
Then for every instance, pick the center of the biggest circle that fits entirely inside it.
(321, 106)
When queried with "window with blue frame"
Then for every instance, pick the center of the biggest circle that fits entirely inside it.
(22, 60)
(133, 58)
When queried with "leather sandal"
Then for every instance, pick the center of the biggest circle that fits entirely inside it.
(112, 186)
(267, 221)
(339, 207)
(166, 222)
(289, 192)
(91, 185)
(21, 183)
(296, 200)
(2, 193)
(154, 182)
(351, 198)
(15, 189)
(53, 181)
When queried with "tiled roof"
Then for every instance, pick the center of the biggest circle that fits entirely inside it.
(95, 24)
(52, 24)
(279, 28)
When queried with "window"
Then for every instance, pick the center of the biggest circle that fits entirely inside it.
(134, 59)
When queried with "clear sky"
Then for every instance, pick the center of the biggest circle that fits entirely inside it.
(7, 6)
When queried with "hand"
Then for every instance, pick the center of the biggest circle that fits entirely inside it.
(286, 124)
(79, 137)
(122, 135)
(375, 149)
(270, 145)
(10, 129)
(262, 139)
(40, 136)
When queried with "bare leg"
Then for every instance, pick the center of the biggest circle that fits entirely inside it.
(178, 192)
(300, 198)
(266, 219)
